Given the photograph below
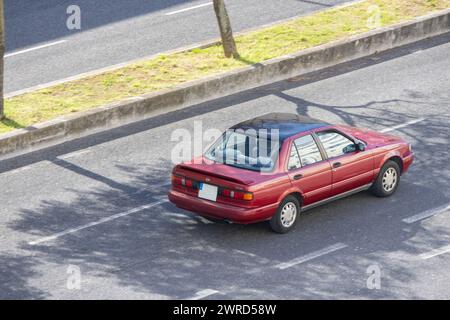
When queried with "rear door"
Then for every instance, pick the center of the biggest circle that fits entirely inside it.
(308, 170)
(350, 168)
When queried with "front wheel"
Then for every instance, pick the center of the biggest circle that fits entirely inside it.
(286, 216)
(387, 180)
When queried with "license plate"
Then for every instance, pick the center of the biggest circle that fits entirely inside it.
(207, 192)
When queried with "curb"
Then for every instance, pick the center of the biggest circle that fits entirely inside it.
(198, 91)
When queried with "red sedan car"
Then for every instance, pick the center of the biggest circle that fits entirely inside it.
(278, 165)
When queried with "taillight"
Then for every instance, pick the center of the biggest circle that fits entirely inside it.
(183, 181)
(227, 193)
(176, 180)
(238, 195)
(187, 182)
(243, 195)
(247, 196)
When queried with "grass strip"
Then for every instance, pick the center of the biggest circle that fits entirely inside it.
(168, 71)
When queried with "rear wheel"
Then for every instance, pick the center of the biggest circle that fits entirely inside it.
(387, 180)
(286, 216)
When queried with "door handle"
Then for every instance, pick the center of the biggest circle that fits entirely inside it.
(298, 176)
(337, 165)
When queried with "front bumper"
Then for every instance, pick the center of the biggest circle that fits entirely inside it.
(221, 211)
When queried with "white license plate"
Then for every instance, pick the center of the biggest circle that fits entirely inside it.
(207, 192)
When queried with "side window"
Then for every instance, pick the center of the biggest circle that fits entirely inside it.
(294, 160)
(335, 144)
(308, 150)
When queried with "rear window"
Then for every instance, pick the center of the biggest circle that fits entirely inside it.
(246, 151)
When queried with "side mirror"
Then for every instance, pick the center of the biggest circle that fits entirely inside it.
(350, 148)
(360, 146)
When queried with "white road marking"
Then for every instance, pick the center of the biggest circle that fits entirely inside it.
(35, 48)
(434, 253)
(188, 9)
(310, 256)
(92, 224)
(245, 253)
(203, 294)
(203, 220)
(402, 125)
(427, 214)
(74, 154)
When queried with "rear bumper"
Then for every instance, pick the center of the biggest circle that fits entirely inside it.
(221, 211)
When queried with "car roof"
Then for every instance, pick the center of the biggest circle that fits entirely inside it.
(288, 124)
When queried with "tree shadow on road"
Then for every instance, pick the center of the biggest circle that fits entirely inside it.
(165, 251)
(15, 274)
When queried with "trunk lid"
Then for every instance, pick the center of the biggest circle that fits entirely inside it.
(218, 173)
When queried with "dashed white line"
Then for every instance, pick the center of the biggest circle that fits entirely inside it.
(95, 223)
(402, 125)
(203, 294)
(435, 253)
(310, 256)
(34, 48)
(188, 9)
(427, 214)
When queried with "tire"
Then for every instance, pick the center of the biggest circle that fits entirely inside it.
(286, 216)
(387, 181)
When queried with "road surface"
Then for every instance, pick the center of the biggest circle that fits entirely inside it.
(96, 206)
(41, 49)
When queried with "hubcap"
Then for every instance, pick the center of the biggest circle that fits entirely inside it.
(389, 179)
(288, 214)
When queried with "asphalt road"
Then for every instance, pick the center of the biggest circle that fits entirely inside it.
(116, 31)
(97, 204)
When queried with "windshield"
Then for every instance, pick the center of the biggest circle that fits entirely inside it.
(246, 151)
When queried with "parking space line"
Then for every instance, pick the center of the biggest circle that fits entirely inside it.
(34, 48)
(311, 256)
(402, 125)
(203, 294)
(95, 223)
(427, 214)
(435, 253)
(189, 8)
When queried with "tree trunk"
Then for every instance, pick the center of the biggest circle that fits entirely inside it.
(229, 45)
(2, 56)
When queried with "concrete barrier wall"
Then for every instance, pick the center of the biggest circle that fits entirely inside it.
(194, 92)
